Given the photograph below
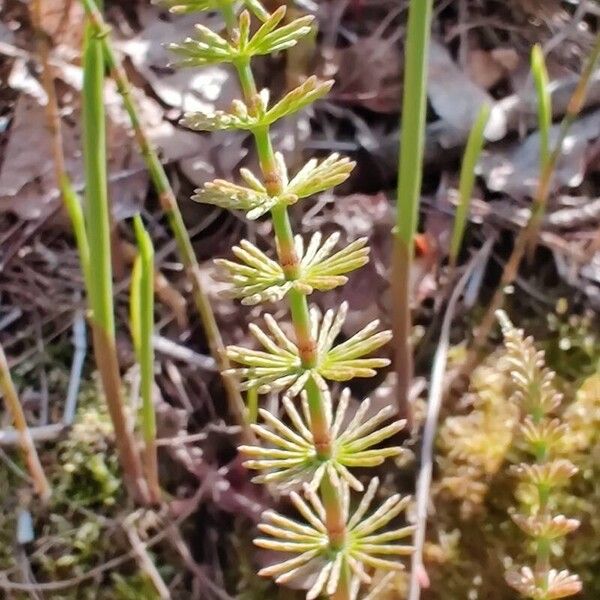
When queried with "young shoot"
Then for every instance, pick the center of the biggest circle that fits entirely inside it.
(142, 328)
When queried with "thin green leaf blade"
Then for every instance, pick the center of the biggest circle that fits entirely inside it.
(473, 150)
(142, 313)
(414, 109)
(96, 192)
(135, 291)
(544, 101)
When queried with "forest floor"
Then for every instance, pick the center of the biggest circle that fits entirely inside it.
(91, 543)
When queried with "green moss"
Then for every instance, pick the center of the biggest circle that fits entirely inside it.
(87, 473)
(81, 530)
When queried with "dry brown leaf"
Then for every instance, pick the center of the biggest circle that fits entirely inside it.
(26, 180)
(456, 99)
(488, 68)
(514, 167)
(369, 74)
(62, 21)
(183, 89)
(27, 183)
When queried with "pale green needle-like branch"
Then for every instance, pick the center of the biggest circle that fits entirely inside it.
(257, 278)
(208, 47)
(308, 544)
(279, 365)
(292, 458)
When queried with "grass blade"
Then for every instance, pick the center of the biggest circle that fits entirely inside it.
(544, 102)
(414, 106)
(142, 328)
(97, 217)
(467, 181)
(100, 285)
(410, 174)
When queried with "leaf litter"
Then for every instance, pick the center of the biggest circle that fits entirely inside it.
(507, 170)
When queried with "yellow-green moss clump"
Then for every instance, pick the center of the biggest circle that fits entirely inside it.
(497, 524)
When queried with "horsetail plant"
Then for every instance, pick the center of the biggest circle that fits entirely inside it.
(142, 328)
(542, 435)
(310, 451)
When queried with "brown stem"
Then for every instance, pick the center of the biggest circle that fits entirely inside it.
(108, 367)
(150, 460)
(53, 116)
(401, 325)
(11, 399)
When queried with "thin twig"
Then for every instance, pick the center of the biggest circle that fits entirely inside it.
(80, 346)
(13, 404)
(181, 547)
(44, 433)
(145, 562)
(182, 353)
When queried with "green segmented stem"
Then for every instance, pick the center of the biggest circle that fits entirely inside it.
(299, 311)
(97, 211)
